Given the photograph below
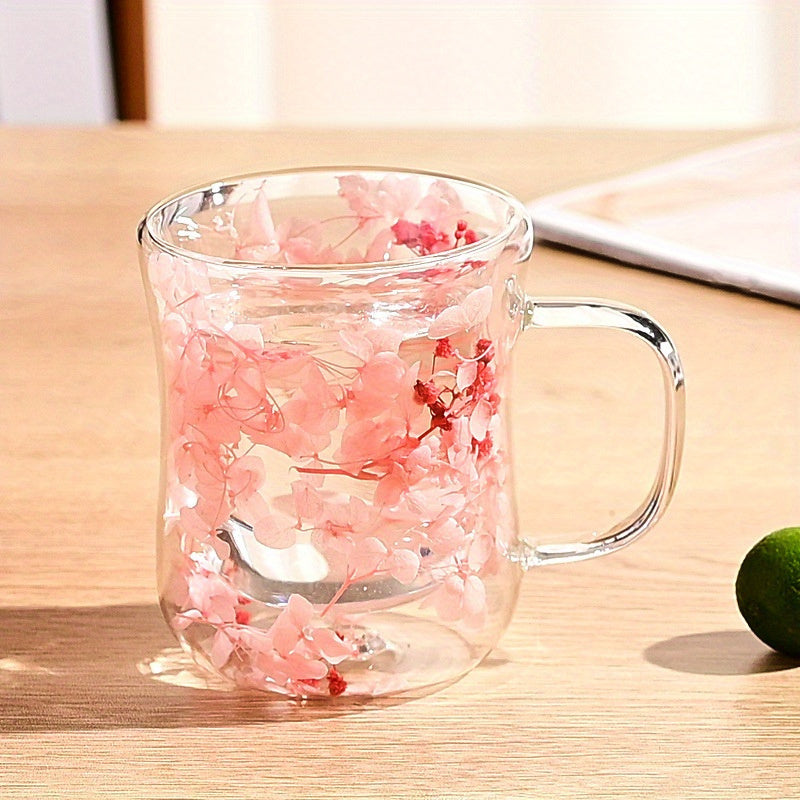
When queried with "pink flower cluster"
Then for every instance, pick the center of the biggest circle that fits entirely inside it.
(294, 654)
(412, 435)
(394, 216)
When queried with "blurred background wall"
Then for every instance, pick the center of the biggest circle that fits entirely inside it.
(55, 62)
(674, 63)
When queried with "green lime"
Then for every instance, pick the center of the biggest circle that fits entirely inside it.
(768, 590)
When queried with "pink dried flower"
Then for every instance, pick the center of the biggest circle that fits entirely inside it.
(470, 312)
(389, 198)
(460, 597)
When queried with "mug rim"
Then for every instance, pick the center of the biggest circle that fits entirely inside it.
(422, 262)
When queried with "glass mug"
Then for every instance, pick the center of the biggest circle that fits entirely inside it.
(336, 505)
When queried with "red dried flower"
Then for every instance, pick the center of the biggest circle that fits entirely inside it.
(444, 349)
(426, 392)
(406, 233)
(336, 683)
(441, 421)
(483, 348)
(429, 237)
(242, 617)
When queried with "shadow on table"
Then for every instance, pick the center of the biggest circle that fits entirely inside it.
(102, 667)
(718, 653)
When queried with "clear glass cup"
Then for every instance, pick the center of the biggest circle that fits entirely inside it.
(336, 506)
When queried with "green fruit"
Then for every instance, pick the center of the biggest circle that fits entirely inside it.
(768, 590)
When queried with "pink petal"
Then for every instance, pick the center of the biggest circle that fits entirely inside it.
(362, 440)
(356, 344)
(193, 523)
(300, 250)
(354, 189)
(269, 533)
(385, 339)
(384, 373)
(246, 475)
(330, 646)
(480, 551)
(441, 201)
(212, 597)
(477, 305)
(221, 649)
(315, 479)
(183, 620)
(221, 548)
(262, 228)
(380, 247)
(448, 535)
(474, 597)
(334, 542)
(160, 269)
(299, 610)
(450, 321)
(307, 502)
(479, 419)
(390, 488)
(175, 330)
(418, 463)
(368, 556)
(447, 598)
(398, 195)
(285, 634)
(300, 668)
(466, 374)
(472, 310)
(361, 514)
(404, 565)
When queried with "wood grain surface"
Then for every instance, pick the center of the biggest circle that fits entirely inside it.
(631, 676)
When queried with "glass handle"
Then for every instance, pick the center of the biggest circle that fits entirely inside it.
(588, 313)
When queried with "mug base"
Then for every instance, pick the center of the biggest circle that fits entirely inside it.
(396, 654)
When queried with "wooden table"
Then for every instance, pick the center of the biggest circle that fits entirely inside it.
(631, 676)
